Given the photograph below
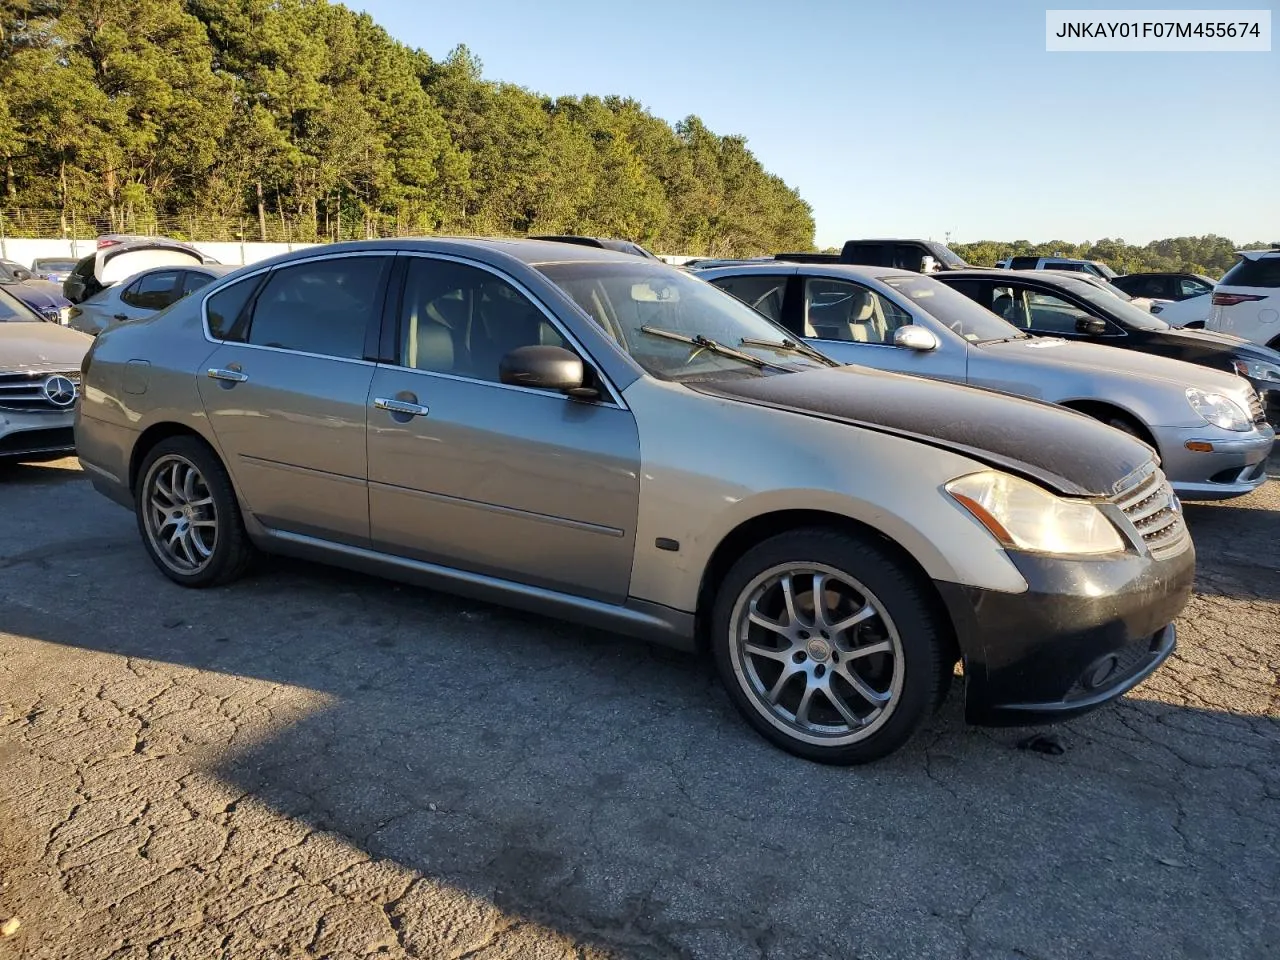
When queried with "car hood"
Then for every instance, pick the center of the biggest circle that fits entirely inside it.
(1066, 451)
(1208, 343)
(39, 294)
(41, 346)
(1049, 352)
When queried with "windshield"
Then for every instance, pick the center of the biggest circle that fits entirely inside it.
(1126, 313)
(945, 254)
(53, 265)
(975, 323)
(624, 297)
(12, 310)
(1103, 269)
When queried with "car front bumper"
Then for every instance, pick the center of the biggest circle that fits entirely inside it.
(1236, 465)
(1084, 633)
(37, 435)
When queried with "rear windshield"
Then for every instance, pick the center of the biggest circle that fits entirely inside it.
(1263, 272)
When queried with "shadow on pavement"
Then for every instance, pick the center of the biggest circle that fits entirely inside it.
(607, 789)
(1238, 548)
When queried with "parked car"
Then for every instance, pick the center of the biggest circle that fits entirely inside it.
(604, 243)
(1108, 286)
(1246, 301)
(1165, 286)
(40, 295)
(580, 432)
(53, 269)
(39, 383)
(112, 262)
(921, 256)
(1208, 426)
(141, 295)
(1095, 267)
(1044, 304)
(1190, 314)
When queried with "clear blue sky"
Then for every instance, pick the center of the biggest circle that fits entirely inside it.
(913, 119)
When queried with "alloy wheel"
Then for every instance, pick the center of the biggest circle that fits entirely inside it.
(180, 515)
(817, 653)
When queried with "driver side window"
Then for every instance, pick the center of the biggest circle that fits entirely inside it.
(1046, 313)
(462, 320)
(840, 310)
(763, 294)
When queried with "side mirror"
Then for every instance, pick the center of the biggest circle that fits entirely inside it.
(1091, 326)
(545, 368)
(20, 274)
(915, 337)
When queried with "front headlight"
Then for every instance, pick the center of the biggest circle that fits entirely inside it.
(1024, 516)
(1256, 369)
(1219, 410)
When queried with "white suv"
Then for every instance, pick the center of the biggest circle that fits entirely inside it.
(1246, 301)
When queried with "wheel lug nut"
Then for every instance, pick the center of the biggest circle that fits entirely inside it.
(799, 656)
(820, 670)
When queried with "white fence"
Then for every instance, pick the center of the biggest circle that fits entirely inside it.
(25, 251)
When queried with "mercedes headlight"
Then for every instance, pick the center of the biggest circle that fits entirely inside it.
(1256, 369)
(1023, 516)
(1219, 410)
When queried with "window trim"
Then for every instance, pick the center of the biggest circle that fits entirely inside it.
(271, 268)
(394, 319)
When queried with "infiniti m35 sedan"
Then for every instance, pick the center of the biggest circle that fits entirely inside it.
(597, 436)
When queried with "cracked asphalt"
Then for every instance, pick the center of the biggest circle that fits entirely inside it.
(315, 764)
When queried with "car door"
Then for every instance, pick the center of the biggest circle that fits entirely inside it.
(287, 386)
(852, 323)
(507, 481)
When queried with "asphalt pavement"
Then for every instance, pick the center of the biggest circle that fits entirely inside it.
(311, 763)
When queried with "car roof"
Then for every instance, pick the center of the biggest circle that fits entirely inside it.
(996, 273)
(1258, 254)
(529, 252)
(861, 271)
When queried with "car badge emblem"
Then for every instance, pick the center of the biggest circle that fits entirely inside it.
(60, 391)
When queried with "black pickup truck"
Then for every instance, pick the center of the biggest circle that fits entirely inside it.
(903, 254)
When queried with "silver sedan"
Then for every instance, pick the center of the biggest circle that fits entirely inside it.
(142, 295)
(1208, 426)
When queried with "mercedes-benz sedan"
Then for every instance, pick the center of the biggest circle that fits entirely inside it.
(597, 436)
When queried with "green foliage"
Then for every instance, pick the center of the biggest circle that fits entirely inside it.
(306, 113)
(1210, 255)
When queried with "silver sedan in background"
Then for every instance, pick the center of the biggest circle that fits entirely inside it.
(142, 295)
(1208, 426)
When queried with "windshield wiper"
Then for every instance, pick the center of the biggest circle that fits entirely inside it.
(706, 343)
(789, 346)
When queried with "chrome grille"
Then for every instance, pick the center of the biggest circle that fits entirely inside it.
(1150, 505)
(26, 391)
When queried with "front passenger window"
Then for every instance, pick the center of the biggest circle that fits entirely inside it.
(463, 320)
(323, 307)
(840, 310)
(1050, 314)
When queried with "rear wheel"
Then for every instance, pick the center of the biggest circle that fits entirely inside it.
(828, 646)
(188, 515)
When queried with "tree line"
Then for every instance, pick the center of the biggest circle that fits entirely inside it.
(1210, 255)
(302, 112)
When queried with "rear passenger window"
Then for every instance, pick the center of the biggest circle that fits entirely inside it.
(154, 291)
(224, 309)
(764, 294)
(195, 281)
(323, 307)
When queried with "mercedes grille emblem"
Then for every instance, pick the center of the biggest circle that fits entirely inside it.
(60, 391)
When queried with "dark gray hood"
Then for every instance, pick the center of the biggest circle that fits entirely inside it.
(1066, 451)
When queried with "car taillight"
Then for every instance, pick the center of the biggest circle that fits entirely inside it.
(107, 243)
(1231, 299)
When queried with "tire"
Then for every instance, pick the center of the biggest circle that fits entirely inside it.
(882, 604)
(188, 515)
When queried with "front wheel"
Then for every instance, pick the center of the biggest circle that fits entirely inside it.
(188, 514)
(828, 645)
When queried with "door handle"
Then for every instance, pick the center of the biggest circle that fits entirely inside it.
(400, 406)
(233, 376)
